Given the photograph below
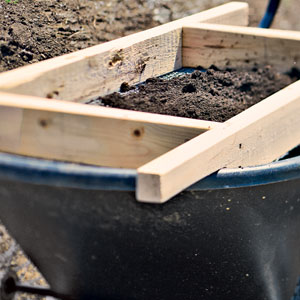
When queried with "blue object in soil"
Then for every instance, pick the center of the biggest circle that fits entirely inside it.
(270, 13)
(178, 73)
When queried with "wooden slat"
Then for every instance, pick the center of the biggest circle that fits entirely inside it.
(89, 134)
(234, 46)
(101, 69)
(256, 136)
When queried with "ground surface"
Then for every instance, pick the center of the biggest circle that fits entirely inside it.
(32, 31)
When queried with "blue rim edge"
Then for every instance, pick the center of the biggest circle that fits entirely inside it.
(63, 174)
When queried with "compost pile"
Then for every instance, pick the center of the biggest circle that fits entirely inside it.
(214, 95)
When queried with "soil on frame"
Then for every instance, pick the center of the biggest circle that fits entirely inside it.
(214, 95)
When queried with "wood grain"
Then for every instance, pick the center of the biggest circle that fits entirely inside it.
(256, 136)
(236, 46)
(101, 69)
(87, 134)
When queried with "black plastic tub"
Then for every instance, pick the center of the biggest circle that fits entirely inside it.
(233, 235)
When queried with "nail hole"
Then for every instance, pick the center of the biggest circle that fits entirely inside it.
(43, 123)
(52, 95)
(137, 133)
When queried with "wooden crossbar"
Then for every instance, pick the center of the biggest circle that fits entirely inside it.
(236, 46)
(89, 134)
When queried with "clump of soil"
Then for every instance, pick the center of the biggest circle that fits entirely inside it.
(214, 95)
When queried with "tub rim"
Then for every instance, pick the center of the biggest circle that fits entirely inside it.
(73, 175)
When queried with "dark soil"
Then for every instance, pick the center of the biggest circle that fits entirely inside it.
(32, 31)
(213, 95)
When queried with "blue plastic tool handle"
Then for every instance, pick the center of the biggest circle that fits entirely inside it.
(270, 13)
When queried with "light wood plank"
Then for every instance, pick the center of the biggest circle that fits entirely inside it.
(89, 134)
(235, 46)
(256, 136)
(101, 69)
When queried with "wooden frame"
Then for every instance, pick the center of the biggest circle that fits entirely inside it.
(32, 124)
